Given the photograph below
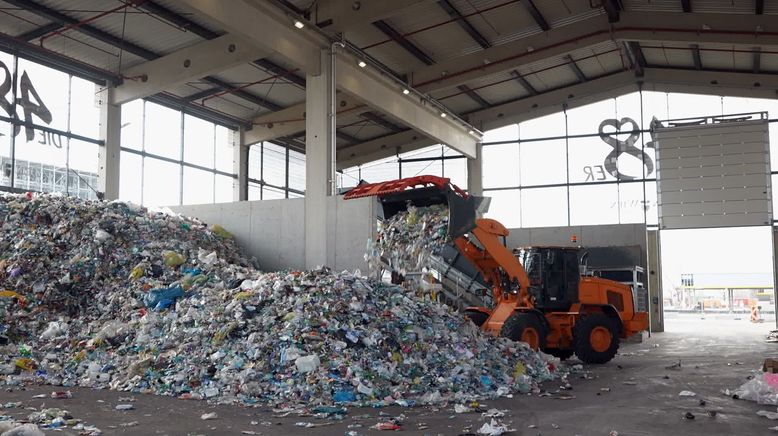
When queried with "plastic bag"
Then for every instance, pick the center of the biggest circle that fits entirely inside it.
(757, 389)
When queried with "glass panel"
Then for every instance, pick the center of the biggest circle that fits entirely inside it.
(225, 139)
(270, 193)
(255, 192)
(162, 135)
(161, 183)
(543, 127)
(505, 207)
(255, 161)
(500, 165)
(589, 160)
(381, 171)
(423, 168)
(130, 177)
(654, 106)
(198, 141)
(432, 151)
(544, 207)
(41, 164)
(84, 164)
(349, 177)
(274, 164)
(456, 170)
(198, 186)
(132, 125)
(5, 151)
(543, 162)
(296, 170)
(294, 195)
(42, 96)
(84, 110)
(693, 105)
(587, 119)
(631, 203)
(224, 190)
(594, 204)
(507, 133)
(628, 106)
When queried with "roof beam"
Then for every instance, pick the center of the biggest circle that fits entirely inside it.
(199, 95)
(339, 15)
(380, 148)
(303, 48)
(573, 66)
(381, 121)
(612, 9)
(200, 111)
(276, 69)
(474, 96)
(712, 82)
(86, 29)
(245, 95)
(756, 66)
(559, 41)
(524, 83)
(687, 6)
(454, 13)
(636, 57)
(176, 19)
(40, 31)
(759, 7)
(696, 56)
(536, 15)
(410, 47)
(199, 60)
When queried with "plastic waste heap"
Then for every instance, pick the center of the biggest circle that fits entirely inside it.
(119, 297)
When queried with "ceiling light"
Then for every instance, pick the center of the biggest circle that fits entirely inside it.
(299, 24)
(362, 64)
(406, 91)
(471, 132)
(443, 115)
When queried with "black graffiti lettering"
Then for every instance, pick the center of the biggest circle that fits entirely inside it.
(37, 108)
(49, 138)
(620, 147)
(5, 89)
(601, 172)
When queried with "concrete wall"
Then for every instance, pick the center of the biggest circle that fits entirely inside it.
(608, 245)
(274, 230)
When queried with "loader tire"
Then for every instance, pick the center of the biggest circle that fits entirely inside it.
(595, 338)
(561, 354)
(525, 327)
(478, 318)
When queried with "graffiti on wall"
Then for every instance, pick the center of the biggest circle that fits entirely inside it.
(609, 132)
(30, 104)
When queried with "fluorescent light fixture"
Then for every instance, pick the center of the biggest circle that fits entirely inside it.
(299, 24)
(443, 115)
(406, 91)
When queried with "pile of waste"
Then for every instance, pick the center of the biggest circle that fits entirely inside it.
(109, 295)
(408, 238)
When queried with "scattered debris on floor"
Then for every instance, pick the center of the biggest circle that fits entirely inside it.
(209, 416)
(686, 394)
(114, 296)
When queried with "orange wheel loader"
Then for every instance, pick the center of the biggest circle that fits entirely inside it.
(540, 296)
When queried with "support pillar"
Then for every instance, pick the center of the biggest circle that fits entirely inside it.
(240, 166)
(655, 297)
(109, 154)
(775, 274)
(475, 179)
(319, 149)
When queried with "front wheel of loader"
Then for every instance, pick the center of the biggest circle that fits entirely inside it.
(478, 318)
(595, 338)
(525, 327)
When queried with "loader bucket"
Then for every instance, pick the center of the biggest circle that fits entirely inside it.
(423, 191)
(462, 212)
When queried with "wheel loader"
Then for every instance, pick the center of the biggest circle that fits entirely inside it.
(540, 296)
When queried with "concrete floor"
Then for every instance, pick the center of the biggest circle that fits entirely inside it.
(643, 397)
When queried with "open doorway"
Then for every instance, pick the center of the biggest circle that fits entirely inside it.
(717, 278)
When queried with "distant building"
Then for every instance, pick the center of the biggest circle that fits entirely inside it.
(35, 176)
(722, 291)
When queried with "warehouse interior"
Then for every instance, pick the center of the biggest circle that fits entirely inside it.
(634, 133)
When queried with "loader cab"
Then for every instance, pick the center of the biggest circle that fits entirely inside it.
(553, 273)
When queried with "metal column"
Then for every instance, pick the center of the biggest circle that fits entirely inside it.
(655, 297)
(240, 166)
(475, 180)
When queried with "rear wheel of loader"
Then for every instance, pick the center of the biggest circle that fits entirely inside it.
(595, 338)
(561, 354)
(478, 318)
(525, 327)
